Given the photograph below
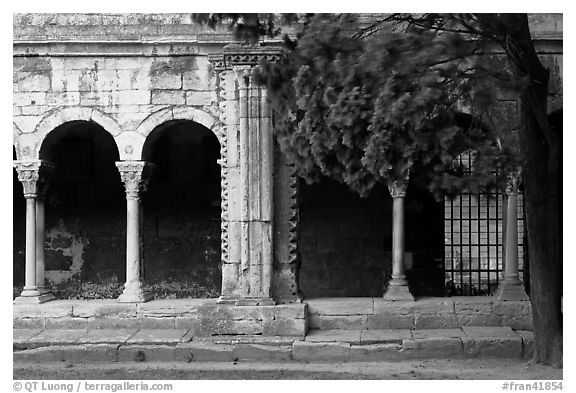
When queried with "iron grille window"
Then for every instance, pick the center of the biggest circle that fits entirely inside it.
(474, 239)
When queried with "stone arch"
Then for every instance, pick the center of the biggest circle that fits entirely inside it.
(174, 114)
(66, 115)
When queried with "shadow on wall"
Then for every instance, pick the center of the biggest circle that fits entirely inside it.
(346, 241)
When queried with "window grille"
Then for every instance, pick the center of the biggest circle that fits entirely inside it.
(474, 239)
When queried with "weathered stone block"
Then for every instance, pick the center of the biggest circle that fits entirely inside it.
(518, 321)
(262, 352)
(341, 306)
(200, 79)
(157, 336)
(479, 320)
(29, 99)
(28, 323)
(482, 331)
(347, 322)
(348, 336)
(56, 337)
(66, 323)
(285, 327)
(27, 124)
(97, 353)
(226, 326)
(430, 333)
(34, 110)
(157, 323)
(113, 322)
(168, 97)
(375, 352)
(473, 305)
(320, 352)
(436, 322)
(34, 83)
(131, 97)
(512, 308)
(54, 309)
(385, 336)
(497, 347)
(110, 336)
(96, 308)
(166, 82)
(191, 323)
(148, 353)
(203, 352)
(527, 343)
(21, 336)
(173, 307)
(200, 98)
(433, 347)
(390, 322)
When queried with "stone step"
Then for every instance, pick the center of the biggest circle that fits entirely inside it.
(33, 345)
(424, 313)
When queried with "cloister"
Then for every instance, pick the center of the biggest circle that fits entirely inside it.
(158, 120)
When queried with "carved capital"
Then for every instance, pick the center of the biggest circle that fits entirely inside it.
(513, 181)
(397, 188)
(34, 176)
(135, 176)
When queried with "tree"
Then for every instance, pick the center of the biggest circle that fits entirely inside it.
(540, 147)
(365, 104)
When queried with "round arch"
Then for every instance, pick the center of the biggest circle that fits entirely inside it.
(67, 115)
(164, 116)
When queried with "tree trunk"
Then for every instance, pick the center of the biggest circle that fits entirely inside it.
(541, 152)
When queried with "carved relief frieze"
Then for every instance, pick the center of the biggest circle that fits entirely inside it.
(238, 55)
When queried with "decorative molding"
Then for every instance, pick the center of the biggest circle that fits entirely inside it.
(34, 176)
(135, 176)
(244, 55)
(293, 215)
(513, 182)
(223, 137)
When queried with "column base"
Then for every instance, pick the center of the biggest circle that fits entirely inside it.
(398, 293)
(246, 301)
(138, 296)
(510, 291)
(37, 299)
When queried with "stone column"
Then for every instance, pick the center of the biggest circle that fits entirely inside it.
(135, 176)
(32, 174)
(398, 285)
(511, 287)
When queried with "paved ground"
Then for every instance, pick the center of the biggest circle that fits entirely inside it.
(424, 369)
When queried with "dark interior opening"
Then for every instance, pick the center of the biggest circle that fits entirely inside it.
(346, 241)
(182, 211)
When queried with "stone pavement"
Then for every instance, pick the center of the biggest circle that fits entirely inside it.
(112, 345)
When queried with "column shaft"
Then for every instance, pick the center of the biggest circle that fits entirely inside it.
(134, 175)
(511, 288)
(398, 273)
(511, 263)
(30, 288)
(398, 285)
